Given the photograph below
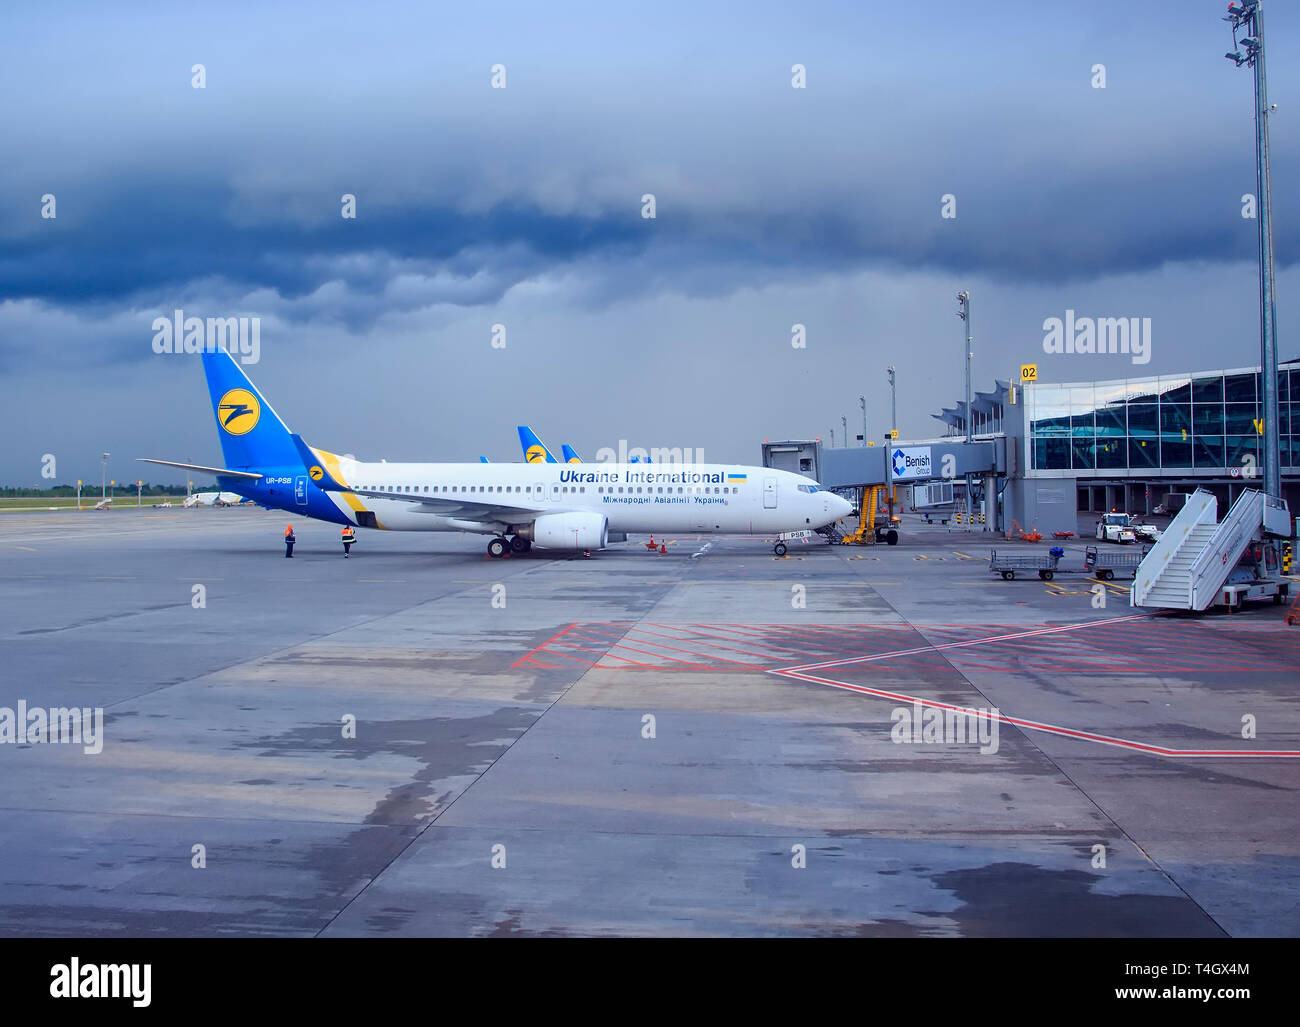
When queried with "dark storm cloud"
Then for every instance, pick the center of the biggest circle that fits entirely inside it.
(239, 185)
(151, 236)
(775, 205)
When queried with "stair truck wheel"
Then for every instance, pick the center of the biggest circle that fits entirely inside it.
(1105, 575)
(1008, 575)
(892, 537)
(1045, 575)
(779, 549)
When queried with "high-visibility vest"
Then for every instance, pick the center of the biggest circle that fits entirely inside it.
(348, 534)
(288, 531)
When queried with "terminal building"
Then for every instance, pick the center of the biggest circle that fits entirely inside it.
(1043, 453)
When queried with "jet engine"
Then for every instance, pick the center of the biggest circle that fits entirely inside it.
(578, 530)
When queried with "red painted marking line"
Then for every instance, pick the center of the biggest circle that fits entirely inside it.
(539, 648)
(648, 652)
(961, 645)
(702, 641)
(1032, 725)
(599, 653)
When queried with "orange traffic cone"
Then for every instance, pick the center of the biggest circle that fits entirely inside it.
(663, 549)
(651, 544)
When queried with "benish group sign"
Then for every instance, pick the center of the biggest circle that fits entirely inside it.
(911, 463)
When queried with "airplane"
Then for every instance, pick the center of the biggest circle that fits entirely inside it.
(561, 507)
(214, 499)
(535, 451)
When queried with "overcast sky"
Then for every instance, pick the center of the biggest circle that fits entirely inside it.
(523, 206)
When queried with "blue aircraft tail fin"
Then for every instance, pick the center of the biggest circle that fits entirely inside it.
(534, 451)
(570, 454)
(251, 432)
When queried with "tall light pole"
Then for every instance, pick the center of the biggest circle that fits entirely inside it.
(832, 438)
(844, 420)
(862, 402)
(103, 476)
(963, 312)
(1248, 16)
(893, 400)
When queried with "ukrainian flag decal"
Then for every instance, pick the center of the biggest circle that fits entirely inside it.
(737, 477)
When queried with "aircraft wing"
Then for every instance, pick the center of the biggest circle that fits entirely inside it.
(225, 472)
(447, 506)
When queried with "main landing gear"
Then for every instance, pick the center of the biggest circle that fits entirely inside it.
(499, 546)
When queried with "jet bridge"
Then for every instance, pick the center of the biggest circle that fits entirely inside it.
(895, 462)
(892, 463)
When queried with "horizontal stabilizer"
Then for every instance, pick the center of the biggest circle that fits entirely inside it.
(316, 468)
(223, 471)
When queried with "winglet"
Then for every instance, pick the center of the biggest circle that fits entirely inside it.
(316, 467)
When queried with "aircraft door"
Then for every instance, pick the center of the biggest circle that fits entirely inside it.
(769, 493)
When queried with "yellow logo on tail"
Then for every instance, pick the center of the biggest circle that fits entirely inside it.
(238, 412)
(316, 473)
(535, 455)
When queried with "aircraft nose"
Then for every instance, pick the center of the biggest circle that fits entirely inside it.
(842, 507)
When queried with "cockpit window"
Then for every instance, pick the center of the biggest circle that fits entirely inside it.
(809, 488)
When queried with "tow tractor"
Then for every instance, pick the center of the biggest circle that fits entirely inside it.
(1116, 527)
(1146, 532)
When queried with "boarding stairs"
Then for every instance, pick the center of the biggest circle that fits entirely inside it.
(831, 532)
(1189, 565)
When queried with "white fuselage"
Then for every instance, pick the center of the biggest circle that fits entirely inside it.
(706, 498)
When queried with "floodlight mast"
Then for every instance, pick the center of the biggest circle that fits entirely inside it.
(893, 399)
(1248, 15)
(963, 312)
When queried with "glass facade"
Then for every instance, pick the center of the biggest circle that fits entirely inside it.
(1207, 422)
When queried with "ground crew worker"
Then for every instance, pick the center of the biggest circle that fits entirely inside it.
(289, 539)
(349, 536)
